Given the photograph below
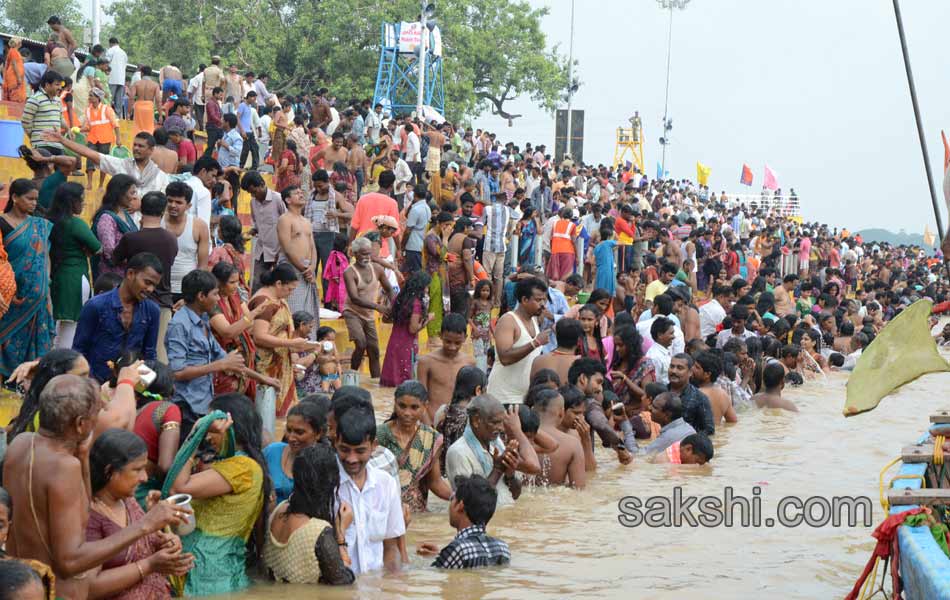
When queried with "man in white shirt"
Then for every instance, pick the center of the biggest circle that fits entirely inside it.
(469, 455)
(413, 150)
(196, 91)
(374, 123)
(713, 312)
(662, 307)
(663, 332)
(403, 176)
(372, 495)
(118, 60)
(204, 173)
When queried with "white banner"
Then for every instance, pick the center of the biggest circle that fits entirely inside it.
(410, 36)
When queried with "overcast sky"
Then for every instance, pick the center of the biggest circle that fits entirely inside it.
(814, 88)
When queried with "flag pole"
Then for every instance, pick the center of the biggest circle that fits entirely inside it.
(920, 127)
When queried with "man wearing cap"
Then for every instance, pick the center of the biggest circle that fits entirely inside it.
(213, 76)
(102, 130)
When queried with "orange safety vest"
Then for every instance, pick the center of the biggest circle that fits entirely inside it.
(101, 124)
(562, 237)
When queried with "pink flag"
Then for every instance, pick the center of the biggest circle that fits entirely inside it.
(771, 182)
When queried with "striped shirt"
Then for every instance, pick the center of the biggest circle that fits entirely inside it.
(42, 113)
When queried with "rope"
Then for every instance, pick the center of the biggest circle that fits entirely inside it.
(938, 450)
(880, 482)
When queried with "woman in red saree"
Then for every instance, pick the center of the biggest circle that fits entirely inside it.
(231, 323)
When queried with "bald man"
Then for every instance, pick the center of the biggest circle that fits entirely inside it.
(47, 475)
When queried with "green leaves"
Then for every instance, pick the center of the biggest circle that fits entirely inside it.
(28, 17)
(494, 50)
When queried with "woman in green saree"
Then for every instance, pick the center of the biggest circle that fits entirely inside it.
(416, 447)
(227, 495)
(436, 249)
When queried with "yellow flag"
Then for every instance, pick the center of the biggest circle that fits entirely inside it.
(702, 173)
(929, 237)
(902, 352)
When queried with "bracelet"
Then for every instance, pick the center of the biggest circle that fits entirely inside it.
(534, 343)
(128, 381)
(138, 566)
(342, 544)
(250, 322)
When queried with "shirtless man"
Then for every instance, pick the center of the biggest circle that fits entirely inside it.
(567, 462)
(65, 35)
(356, 161)
(363, 280)
(685, 312)
(162, 155)
(47, 475)
(567, 332)
(145, 96)
(436, 141)
(706, 370)
(294, 233)
(574, 425)
(437, 370)
(334, 153)
(784, 305)
(773, 378)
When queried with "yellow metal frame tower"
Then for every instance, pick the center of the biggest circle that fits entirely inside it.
(626, 143)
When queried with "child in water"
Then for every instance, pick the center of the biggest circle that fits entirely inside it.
(316, 370)
(480, 322)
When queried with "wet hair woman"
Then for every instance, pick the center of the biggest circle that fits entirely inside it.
(117, 465)
(228, 499)
(416, 447)
(305, 534)
(306, 425)
(158, 422)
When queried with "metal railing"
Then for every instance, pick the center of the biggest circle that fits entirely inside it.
(787, 206)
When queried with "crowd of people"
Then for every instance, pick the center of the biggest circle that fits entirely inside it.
(155, 349)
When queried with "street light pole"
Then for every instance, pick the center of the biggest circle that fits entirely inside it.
(96, 28)
(420, 98)
(667, 126)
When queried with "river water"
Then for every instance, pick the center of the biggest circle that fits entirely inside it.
(570, 544)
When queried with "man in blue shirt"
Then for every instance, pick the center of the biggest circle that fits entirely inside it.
(230, 145)
(123, 320)
(194, 355)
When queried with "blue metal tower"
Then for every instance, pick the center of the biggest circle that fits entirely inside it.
(398, 74)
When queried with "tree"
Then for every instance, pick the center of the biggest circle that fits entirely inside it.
(27, 18)
(494, 50)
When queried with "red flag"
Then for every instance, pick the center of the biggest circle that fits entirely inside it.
(746, 177)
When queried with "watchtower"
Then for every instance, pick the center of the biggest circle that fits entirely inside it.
(630, 141)
(398, 74)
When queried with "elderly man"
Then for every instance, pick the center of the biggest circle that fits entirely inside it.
(43, 472)
(480, 452)
(148, 177)
(666, 411)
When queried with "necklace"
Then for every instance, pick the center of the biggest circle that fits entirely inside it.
(110, 512)
(563, 352)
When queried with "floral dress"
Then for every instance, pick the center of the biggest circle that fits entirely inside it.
(414, 462)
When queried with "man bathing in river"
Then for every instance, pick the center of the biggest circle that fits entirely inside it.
(438, 369)
(565, 465)
(46, 474)
(773, 378)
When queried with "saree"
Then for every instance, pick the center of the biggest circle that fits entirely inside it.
(435, 253)
(414, 462)
(227, 253)
(14, 78)
(226, 382)
(7, 282)
(276, 363)
(26, 330)
(526, 239)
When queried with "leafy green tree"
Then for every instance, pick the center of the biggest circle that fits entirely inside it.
(494, 50)
(27, 18)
